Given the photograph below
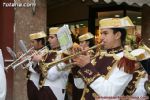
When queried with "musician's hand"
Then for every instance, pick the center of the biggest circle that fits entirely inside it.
(37, 58)
(75, 48)
(85, 50)
(32, 51)
(81, 60)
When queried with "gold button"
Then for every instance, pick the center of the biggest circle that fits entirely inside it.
(134, 82)
(108, 68)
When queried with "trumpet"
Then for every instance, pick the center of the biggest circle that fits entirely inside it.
(16, 63)
(45, 67)
(23, 55)
(70, 65)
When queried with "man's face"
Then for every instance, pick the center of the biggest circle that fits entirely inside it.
(77, 31)
(53, 41)
(108, 38)
(84, 44)
(35, 44)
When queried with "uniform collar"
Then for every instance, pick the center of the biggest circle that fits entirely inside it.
(115, 50)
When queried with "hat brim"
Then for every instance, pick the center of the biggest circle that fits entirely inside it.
(126, 27)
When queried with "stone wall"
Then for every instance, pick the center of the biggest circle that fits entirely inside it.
(25, 23)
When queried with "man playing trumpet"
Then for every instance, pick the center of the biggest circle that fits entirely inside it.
(33, 73)
(112, 70)
(52, 81)
(136, 85)
(85, 41)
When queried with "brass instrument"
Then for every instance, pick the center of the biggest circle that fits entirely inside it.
(70, 65)
(27, 57)
(23, 55)
(46, 66)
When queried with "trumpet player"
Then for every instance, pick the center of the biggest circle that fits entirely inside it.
(142, 87)
(145, 62)
(33, 73)
(85, 41)
(52, 81)
(136, 85)
(112, 71)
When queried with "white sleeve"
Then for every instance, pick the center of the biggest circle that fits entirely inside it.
(79, 83)
(53, 72)
(140, 90)
(114, 86)
(3, 87)
(31, 69)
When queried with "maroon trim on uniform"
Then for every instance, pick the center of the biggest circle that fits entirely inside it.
(32, 91)
(45, 93)
(88, 73)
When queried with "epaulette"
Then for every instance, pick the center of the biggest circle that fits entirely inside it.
(144, 58)
(127, 62)
(142, 53)
(139, 54)
(145, 48)
(129, 55)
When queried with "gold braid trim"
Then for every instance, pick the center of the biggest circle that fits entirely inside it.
(110, 69)
(141, 74)
(135, 82)
(146, 48)
(28, 74)
(128, 55)
(87, 79)
(109, 55)
(84, 92)
(42, 82)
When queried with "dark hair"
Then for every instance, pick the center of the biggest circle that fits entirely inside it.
(123, 34)
(91, 42)
(42, 40)
(48, 45)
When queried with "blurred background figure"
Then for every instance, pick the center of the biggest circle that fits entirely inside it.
(2, 78)
(75, 33)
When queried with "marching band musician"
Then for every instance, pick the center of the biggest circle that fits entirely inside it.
(136, 85)
(75, 33)
(38, 42)
(86, 41)
(112, 71)
(143, 56)
(3, 86)
(52, 81)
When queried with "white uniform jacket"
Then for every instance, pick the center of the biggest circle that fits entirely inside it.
(113, 85)
(57, 80)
